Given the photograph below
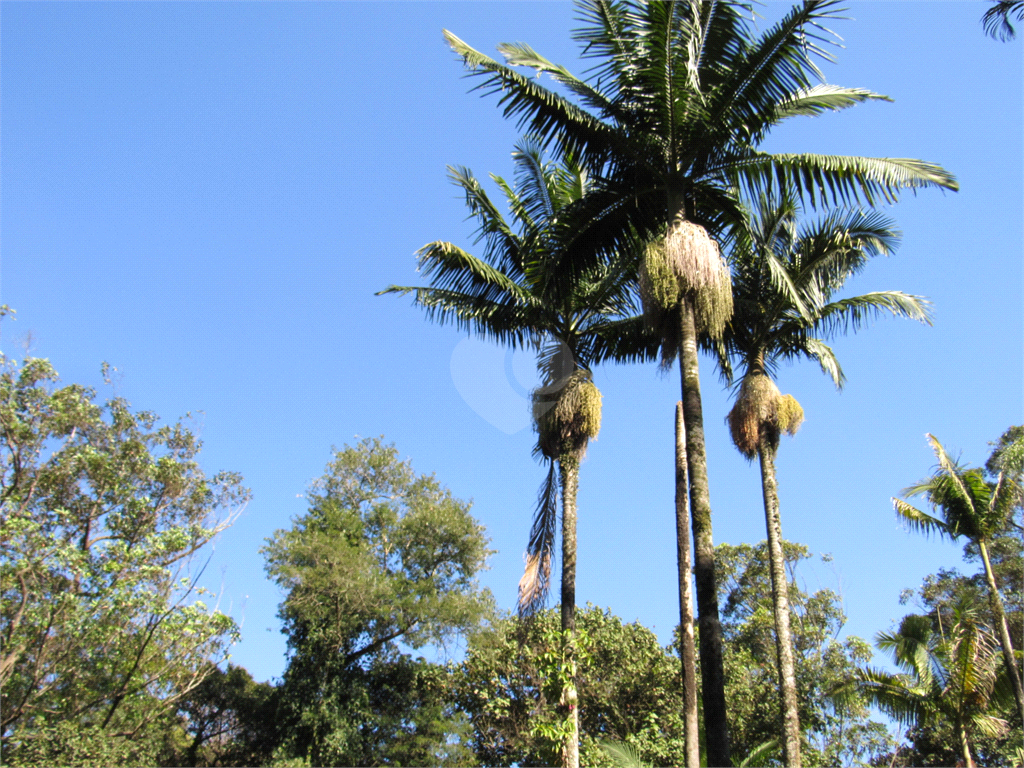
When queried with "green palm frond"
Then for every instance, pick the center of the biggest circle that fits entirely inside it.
(841, 179)
(855, 312)
(822, 98)
(453, 269)
(827, 359)
(919, 521)
(543, 112)
(761, 754)
(504, 323)
(621, 754)
(896, 695)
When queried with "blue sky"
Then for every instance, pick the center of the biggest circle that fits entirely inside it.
(208, 195)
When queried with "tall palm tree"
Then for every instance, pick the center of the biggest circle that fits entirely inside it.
(969, 506)
(511, 295)
(784, 278)
(951, 677)
(669, 122)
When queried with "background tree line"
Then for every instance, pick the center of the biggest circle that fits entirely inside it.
(118, 661)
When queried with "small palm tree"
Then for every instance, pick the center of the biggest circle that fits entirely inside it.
(970, 506)
(784, 278)
(953, 677)
(513, 296)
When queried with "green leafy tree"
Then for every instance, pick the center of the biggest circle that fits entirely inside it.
(228, 720)
(679, 99)
(628, 683)
(381, 557)
(832, 733)
(513, 295)
(979, 510)
(628, 690)
(950, 678)
(103, 630)
(784, 280)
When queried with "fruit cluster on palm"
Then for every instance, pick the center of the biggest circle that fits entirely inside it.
(657, 151)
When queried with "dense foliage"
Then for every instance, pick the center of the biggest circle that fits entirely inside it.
(382, 557)
(103, 627)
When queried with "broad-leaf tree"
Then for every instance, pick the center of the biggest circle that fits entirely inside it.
(670, 121)
(102, 510)
(784, 280)
(382, 556)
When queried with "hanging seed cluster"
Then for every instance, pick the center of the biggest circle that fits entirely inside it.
(566, 418)
(687, 264)
(761, 411)
(789, 413)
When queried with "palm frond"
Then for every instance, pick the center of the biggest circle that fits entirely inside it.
(856, 311)
(547, 115)
(997, 19)
(919, 521)
(536, 581)
(952, 472)
(842, 179)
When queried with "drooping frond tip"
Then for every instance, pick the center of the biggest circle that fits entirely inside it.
(536, 580)
(761, 413)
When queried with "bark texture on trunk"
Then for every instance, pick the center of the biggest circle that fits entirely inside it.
(716, 732)
(569, 470)
(996, 604)
(780, 605)
(687, 650)
(965, 747)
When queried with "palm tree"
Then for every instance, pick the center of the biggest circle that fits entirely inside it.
(669, 123)
(512, 296)
(969, 506)
(784, 278)
(952, 677)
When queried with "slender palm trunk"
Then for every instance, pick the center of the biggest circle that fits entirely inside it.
(965, 747)
(1004, 633)
(687, 648)
(569, 470)
(780, 600)
(716, 732)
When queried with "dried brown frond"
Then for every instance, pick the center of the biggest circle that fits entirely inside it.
(755, 410)
(533, 586)
(789, 414)
(567, 418)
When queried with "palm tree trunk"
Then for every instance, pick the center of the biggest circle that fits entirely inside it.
(1004, 633)
(569, 470)
(716, 731)
(965, 747)
(687, 647)
(780, 600)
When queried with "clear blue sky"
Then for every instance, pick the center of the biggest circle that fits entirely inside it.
(207, 195)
